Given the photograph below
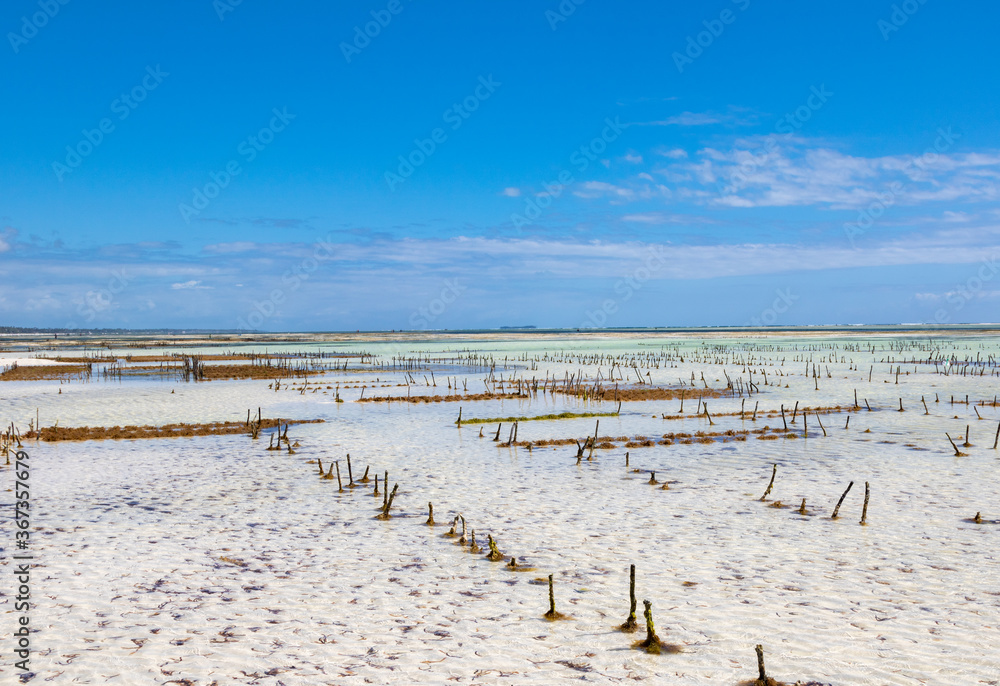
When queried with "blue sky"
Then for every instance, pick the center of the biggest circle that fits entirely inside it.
(414, 165)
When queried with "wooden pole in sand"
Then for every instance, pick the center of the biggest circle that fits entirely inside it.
(762, 675)
(864, 510)
(631, 624)
(551, 614)
(839, 502)
(774, 472)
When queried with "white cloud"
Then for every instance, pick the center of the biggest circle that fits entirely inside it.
(674, 154)
(662, 218)
(236, 246)
(619, 194)
(766, 172)
(734, 117)
(597, 189)
(511, 192)
(187, 285)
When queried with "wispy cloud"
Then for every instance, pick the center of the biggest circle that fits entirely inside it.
(188, 285)
(762, 172)
(413, 269)
(734, 117)
(664, 218)
(235, 246)
(619, 194)
(673, 153)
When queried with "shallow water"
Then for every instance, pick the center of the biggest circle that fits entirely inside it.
(131, 587)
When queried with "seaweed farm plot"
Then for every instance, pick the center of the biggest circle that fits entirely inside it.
(815, 510)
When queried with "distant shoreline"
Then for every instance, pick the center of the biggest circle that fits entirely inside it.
(26, 340)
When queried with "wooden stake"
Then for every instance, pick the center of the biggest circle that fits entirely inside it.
(957, 452)
(840, 502)
(340, 486)
(652, 640)
(762, 675)
(631, 624)
(774, 472)
(864, 510)
(551, 614)
(388, 504)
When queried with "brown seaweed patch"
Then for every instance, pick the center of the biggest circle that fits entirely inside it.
(101, 433)
(44, 372)
(454, 398)
(638, 393)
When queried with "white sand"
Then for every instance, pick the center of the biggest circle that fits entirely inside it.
(131, 588)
